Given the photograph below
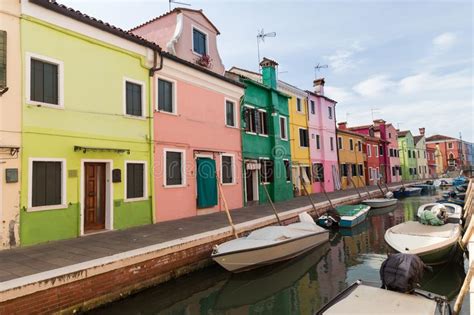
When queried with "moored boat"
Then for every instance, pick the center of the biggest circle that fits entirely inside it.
(380, 202)
(350, 215)
(455, 201)
(269, 245)
(425, 188)
(453, 211)
(407, 192)
(433, 244)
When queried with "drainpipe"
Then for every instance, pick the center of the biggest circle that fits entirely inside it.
(151, 129)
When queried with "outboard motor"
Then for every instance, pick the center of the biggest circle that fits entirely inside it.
(402, 272)
(333, 218)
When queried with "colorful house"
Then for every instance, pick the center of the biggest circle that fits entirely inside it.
(87, 125)
(10, 123)
(197, 137)
(421, 154)
(407, 155)
(265, 136)
(322, 129)
(453, 153)
(389, 159)
(431, 158)
(351, 157)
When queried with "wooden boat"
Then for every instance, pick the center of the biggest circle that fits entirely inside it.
(454, 211)
(269, 245)
(351, 215)
(362, 298)
(425, 188)
(455, 201)
(380, 202)
(433, 244)
(381, 211)
(407, 192)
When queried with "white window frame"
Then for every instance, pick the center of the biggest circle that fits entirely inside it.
(183, 167)
(299, 137)
(232, 156)
(369, 150)
(250, 132)
(261, 182)
(193, 27)
(236, 120)
(260, 118)
(330, 112)
(376, 149)
(63, 204)
(286, 128)
(145, 181)
(124, 95)
(174, 84)
(60, 65)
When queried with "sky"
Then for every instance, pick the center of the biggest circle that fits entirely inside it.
(407, 62)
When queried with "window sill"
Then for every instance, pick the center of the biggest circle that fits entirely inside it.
(135, 199)
(31, 103)
(251, 133)
(174, 186)
(166, 113)
(228, 184)
(262, 135)
(284, 139)
(46, 208)
(134, 117)
(233, 127)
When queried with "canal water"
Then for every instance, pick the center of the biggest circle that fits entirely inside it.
(299, 286)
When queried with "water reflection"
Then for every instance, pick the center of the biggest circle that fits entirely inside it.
(299, 286)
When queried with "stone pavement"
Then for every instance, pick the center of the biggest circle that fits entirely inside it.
(24, 261)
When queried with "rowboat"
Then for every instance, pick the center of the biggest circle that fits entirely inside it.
(454, 211)
(425, 188)
(362, 298)
(351, 215)
(269, 245)
(407, 192)
(433, 244)
(455, 201)
(380, 202)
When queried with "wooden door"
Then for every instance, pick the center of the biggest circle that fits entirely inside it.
(249, 184)
(94, 203)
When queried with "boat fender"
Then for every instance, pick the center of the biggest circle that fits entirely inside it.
(402, 272)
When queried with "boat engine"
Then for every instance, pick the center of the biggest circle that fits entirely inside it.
(402, 272)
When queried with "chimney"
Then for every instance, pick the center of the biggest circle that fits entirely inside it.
(269, 72)
(319, 86)
(342, 125)
(379, 122)
(422, 131)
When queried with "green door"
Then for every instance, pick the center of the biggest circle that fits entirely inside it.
(206, 183)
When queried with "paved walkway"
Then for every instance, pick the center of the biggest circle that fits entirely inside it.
(20, 262)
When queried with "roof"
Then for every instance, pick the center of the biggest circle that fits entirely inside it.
(104, 26)
(360, 127)
(350, 132)
(323, 96)
(176, 10)
(417, 138)
(439, 137)
(403, 133)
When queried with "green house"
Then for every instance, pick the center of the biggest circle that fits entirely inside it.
(407, 150)
(265, 137)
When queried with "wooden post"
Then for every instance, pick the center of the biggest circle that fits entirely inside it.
(357, 189)
(468, 233)
(464, 289)
(380, 187)
(229, 218)
(270, 200)
(309, 196)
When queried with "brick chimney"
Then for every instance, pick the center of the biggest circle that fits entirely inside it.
(379, 122)
(319, 86)
(269, 72)
(422, 131)
(342, 125)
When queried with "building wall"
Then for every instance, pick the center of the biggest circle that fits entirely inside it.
(372, 165)
(199, 128)
(93, 116)
(394, 161)
(405, 144)
(422, 159)
(10, 127)
(431, 159)
(348, 156)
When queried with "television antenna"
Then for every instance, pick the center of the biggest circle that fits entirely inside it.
(318, 68)
(261, 37)
(177, 2)
(374, 110)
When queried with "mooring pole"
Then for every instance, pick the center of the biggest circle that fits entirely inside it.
(270, 200)
(229, 218)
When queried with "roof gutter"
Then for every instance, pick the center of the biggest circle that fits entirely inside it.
(155, 68)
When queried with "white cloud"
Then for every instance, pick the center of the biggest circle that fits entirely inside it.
(445, 41)
(428, 82)
(374, 86)
(343, 59)
(338, 94)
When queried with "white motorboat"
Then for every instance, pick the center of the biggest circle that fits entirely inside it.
(454, 211)
(380, 202)
(433, 244)
(270, 244)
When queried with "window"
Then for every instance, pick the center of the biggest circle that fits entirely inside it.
(174, 168)
(262, 127)
(381, 150)
(450, 145)
(306, 174)
(413, 154)
(227, 171)
(418, 154)
(400, 171)
(318, 172)
(298, 105)
(330, 112)
(313, 107)
(331, 143)
(376, 150)
(361, 170)
(133, 99)
(3, 59)
(339, 143)
(344, 170)
(359, 146)
(47, 183)
(250, 119)
(199, 42)
(266, 171)
(424, 154)
(318, 144)
(409, 153)
(287, 170)
(304, 141)
(230, 114)
(369, 151)
(283, 133)
(419, 169)
(45, 81)
(353, 169)
(351, 144)
(136, 180)
(414, 170)
(377, 173)
(390, 135)
(166, 96)
(371, 176)
(394, 171)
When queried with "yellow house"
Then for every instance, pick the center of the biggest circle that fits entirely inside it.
(299, 138)
(350, 147)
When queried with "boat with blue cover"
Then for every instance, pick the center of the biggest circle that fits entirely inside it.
(350, 215)
(407, 192)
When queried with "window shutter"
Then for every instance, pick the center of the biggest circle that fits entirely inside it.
(256, 115)
(3, 59)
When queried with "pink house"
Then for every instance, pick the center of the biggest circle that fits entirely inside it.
(196, 119)
(322, 144)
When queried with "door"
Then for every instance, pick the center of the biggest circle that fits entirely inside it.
(94, 203)
(249, 185)
(206, 183)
